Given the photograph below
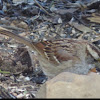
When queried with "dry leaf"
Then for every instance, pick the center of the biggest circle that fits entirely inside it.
(80, 27)
(65, 11)
(94, 18)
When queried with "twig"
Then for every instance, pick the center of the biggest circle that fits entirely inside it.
(42, 8)
(96, 39)
(13, 28)
(80, 37)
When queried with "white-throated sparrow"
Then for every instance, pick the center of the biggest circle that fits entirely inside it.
(60, 55)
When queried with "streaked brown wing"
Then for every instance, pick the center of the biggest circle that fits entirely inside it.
(59, 50)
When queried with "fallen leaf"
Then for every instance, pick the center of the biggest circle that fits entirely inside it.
(80, 27)
(65, 11)
(94, 18)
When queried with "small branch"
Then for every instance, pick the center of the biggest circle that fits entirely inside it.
(12, 28)
(96, 39)
(80, 37)
(42, 8)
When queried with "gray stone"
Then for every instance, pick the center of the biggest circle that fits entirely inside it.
(70, 85)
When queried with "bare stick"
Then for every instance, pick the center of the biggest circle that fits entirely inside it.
(42, 7)
(96, 39)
